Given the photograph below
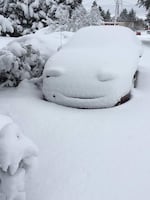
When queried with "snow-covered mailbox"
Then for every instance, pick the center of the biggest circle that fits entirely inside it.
(17, 154)
(95, 69)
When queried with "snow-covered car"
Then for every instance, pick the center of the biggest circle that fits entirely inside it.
(95, 69)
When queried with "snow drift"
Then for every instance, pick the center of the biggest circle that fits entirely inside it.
(17, 155)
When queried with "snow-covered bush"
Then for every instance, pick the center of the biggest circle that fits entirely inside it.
(25, 57)
(5, 26)
(18, 62)
(17, 154)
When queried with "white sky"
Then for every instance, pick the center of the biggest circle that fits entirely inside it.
(110, 4)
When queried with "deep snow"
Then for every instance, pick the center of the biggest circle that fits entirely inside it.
(86, 154)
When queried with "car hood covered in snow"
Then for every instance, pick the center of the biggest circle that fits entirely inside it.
(95, 69)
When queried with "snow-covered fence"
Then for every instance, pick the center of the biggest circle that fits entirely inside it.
(17, 154)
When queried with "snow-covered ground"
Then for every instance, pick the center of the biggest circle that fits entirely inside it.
(86, 154)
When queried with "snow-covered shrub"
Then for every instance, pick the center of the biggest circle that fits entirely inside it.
(17, 154)
(5, 26)
(25, 57)
(18, 62)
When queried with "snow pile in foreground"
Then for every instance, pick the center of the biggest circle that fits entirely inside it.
(25, 57)
(93, 70)
(17, 155)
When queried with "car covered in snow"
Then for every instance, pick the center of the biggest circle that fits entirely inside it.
(95, 69)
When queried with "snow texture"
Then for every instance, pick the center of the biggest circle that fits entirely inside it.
(93, 70)
(17, 156)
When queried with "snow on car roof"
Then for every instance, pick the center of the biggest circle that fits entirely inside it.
(97, 36)
(99, 47)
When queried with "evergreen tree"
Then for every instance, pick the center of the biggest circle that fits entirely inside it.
(94, 4)
(78, 19)
(145, 3)
(107, 16)
(95, 15)
(100, 9)
(102, 12)
(148, 17)
(132, 16)
(124, 15)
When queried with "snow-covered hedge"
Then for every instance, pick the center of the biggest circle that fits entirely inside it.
(17, 154)
(19, 61)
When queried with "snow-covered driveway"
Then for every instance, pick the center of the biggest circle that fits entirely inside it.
(98, 154)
